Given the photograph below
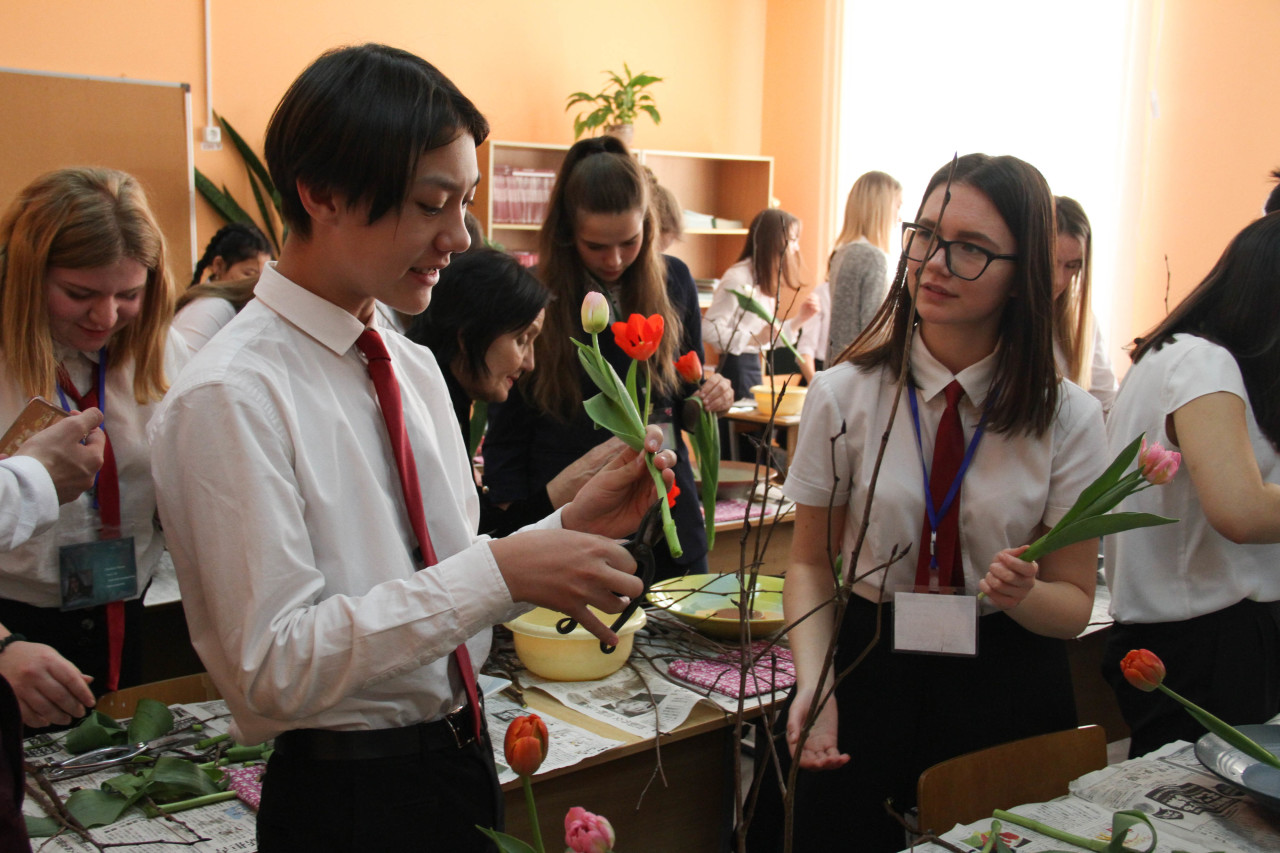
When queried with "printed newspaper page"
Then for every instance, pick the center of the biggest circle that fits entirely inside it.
(568, 744)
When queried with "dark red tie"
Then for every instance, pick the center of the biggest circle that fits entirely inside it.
(948, 454)
(107, 490)
(388, 390)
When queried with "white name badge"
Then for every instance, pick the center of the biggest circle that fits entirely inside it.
(935, 624)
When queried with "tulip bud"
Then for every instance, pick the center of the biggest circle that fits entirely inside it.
(595, 312)
(1143, 669)
(585, 832)
(525, 745)
(1158, 465)
(689, 367)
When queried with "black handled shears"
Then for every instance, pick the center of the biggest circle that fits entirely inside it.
(640, 546)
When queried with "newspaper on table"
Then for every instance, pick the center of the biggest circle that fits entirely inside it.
(1192, 810)
(226, 827)
(636, 699)
(567, 745)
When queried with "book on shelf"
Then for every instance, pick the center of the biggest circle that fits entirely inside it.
(520, 196)
(695, 221)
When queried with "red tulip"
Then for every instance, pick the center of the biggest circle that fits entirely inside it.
(639, 336)
(525, 745)
(1143, 669)
(672, 494)
(689, 366)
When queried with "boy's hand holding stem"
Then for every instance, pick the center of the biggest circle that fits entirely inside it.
(566, 570)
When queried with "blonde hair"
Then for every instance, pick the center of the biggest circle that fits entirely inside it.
(81, 218)
(868, 212)
(1072, 314)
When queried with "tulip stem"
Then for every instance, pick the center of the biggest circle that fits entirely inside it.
(1056, 834)
(533, 814)
(1224, 730)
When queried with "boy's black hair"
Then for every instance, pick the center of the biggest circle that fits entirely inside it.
(1273, 200)
(481, 295)
(355, 123)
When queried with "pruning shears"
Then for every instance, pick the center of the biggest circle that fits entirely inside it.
(112, 756)
(640, 546)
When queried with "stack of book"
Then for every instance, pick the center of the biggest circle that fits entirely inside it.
(520, 195)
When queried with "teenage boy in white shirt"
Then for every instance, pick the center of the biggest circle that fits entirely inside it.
(282, 502)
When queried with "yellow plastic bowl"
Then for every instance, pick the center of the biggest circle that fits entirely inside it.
(575, 656)
(791, 404)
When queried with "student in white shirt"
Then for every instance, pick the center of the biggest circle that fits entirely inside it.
(983, 322)
(767, 269)
(301, 575)
(1204, 594)
(85, 306)
(233, 260)
(1078, 348)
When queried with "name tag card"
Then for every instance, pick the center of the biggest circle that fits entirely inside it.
(935, 623)
(95, 573)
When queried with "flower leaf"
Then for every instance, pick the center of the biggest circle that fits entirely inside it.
(151, 719)
(609, 415)
(1109, 479)
(1087, 528)
(94, 731)
(506, 843)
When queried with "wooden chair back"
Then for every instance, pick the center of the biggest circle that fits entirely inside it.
(188, 688)
(1035, 769)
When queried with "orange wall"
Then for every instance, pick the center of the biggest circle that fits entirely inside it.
(1204, 159)
(801, 80)
(517, 60)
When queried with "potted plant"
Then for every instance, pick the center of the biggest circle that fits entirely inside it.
(619, 101)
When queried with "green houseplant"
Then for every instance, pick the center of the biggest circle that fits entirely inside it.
(264, 191)
(622, 97)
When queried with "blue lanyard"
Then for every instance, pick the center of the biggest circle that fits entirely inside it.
(936, 514)
(102, 404)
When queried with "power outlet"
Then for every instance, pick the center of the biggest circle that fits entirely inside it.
(213, 135)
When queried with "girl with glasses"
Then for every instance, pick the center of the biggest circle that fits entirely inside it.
(978, 354)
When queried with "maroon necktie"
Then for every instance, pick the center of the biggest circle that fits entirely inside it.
(948, 454)
(107, 491)
(388, 390)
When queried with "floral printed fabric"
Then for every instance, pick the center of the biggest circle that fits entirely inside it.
(775, 670)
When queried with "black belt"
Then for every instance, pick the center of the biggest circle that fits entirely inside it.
(452, 731)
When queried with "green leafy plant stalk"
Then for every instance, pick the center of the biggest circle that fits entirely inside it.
(265, 195)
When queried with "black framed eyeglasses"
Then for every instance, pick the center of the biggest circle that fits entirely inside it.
(965, 260)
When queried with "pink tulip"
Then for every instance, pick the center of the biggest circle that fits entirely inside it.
(595, 312)
(585, 832)
(1158, 465)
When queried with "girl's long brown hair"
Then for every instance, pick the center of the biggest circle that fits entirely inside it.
(599, 175)
(772, 265)
(1024, 388)
(81, 218)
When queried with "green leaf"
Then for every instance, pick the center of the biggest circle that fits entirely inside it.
(749, 303)
(94, 731)
(151, 719)
(653, 113)
(96, 807)
(606, 413)
(506, 843)
(643, 80)
(1121, 823)
(251, 161)
(1088, 528)
(224, 204)
(41, 827)
(265, 212)
(476, 427)
(1104, 483)
(632, 369)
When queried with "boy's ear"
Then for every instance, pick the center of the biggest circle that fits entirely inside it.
(322, 205)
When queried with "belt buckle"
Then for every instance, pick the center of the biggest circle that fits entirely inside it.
(461, 735)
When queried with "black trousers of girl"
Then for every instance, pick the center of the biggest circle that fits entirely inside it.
(902, 713)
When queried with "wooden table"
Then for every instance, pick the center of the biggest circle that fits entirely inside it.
(741, 419)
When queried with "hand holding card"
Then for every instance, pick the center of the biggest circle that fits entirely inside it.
(70, 447)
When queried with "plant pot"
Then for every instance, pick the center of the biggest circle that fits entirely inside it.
(625, 132)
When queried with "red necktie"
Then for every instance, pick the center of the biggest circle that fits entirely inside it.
(107, 487)
(388, 391)
(948, 454)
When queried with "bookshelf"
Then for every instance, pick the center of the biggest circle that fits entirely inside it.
(734, 187)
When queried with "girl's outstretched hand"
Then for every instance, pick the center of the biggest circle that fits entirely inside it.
(821, 748)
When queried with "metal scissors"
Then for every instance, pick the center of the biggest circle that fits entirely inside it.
(640, 546)
(111, 756)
